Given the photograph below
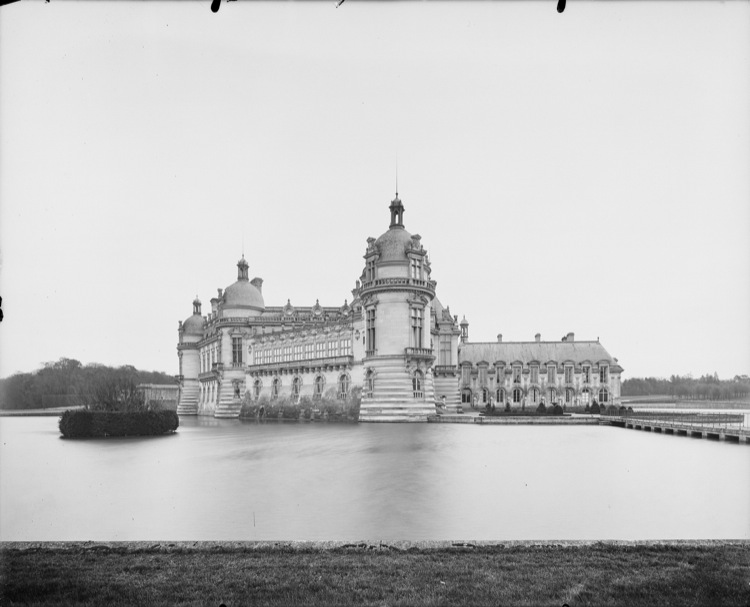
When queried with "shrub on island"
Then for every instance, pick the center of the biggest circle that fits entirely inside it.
(83, 423)
(115, 407)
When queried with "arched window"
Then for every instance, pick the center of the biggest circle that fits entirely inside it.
(568, 396)
(320, 382)
(517, 395)
(585, 396)
(343, 388)
(535, 394)
(296, 383)
(603, 396)
(485, 395)
(418, 384)
(257, 385)
(500, 395)
(466, 396)
(275, 385)
(552, 396)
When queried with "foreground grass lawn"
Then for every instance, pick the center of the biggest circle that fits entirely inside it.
(700, 574)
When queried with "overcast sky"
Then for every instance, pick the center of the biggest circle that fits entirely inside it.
(584, 171)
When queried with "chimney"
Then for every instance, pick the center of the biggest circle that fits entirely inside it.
(538, 337)
(571, 337)
(499, 337)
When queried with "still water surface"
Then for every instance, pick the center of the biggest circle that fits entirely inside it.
(232, 480)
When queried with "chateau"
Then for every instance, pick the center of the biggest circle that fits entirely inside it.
(395, 341)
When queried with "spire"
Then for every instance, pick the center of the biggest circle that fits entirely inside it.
(197, 306)
(242, 269)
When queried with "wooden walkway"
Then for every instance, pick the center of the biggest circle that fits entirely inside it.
(718, 426)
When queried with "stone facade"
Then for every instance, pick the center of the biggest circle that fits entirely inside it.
(395, 341)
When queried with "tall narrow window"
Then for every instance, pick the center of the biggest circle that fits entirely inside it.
(343, 387)
(319, 349)
(416, 327)
(516, 375)
(256, 389)
(416, 269)
(603, 396)
(551, 373)
(444, 353)
(586, 374)
(369, 383)
(417, 384)
(275, 385)
(319, 383)
(534, 374)
(296, 383)
(568, 374)
(236, 351)
(603, 374)
(371, 329)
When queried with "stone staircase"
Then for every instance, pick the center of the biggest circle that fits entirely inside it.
(188, 404)
(448, 385)
(228, 406)
(393, 399)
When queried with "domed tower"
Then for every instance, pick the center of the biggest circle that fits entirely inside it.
(396, 295)
(190, 333)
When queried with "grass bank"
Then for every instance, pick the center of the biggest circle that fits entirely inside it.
(523, 573)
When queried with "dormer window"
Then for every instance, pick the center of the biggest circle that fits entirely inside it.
(516, 375)
(586, 371)
(416, 269)
(603, 374)
(534, 374)
(551, 373)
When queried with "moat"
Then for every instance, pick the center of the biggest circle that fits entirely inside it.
(236, 480)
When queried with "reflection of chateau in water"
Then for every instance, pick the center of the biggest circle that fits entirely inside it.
(395, 341)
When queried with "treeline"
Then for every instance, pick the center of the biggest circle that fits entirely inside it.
(706, 387)
(67, 383)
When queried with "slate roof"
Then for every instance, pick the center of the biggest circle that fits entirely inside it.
(534, 351)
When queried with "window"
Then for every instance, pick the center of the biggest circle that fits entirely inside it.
(501, 395)
(417, 384)
(343, 388)
(586, 374)
(603, 374)
(371, 329)
(370, 270)
(416, 327)
(319, 384)
(296, 384)
(320, 349)
(346, 346)
(275, 385)
(416, 269)
(236, 351)
(369, 383)
(534, 374)
(568, 395)
(552, 395)
(297, 351)
(516, 375)
(534, 393)
(603, 396)
(256, 389)
(551, 373)
(466, 396)
(332, 347)
(568, 374)
(485, 395)
(308, 350)
(585, 396)
(287, 353)
(444, 352)
(517, 394)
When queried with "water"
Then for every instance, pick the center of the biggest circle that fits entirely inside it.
(232, 480)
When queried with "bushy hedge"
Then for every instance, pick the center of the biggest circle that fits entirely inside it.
(328, 407)
(90, 424)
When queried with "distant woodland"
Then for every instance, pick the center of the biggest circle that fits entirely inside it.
(706, 387)
(67, 383)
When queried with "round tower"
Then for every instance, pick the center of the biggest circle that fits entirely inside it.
(396, 295)
(190, 332)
